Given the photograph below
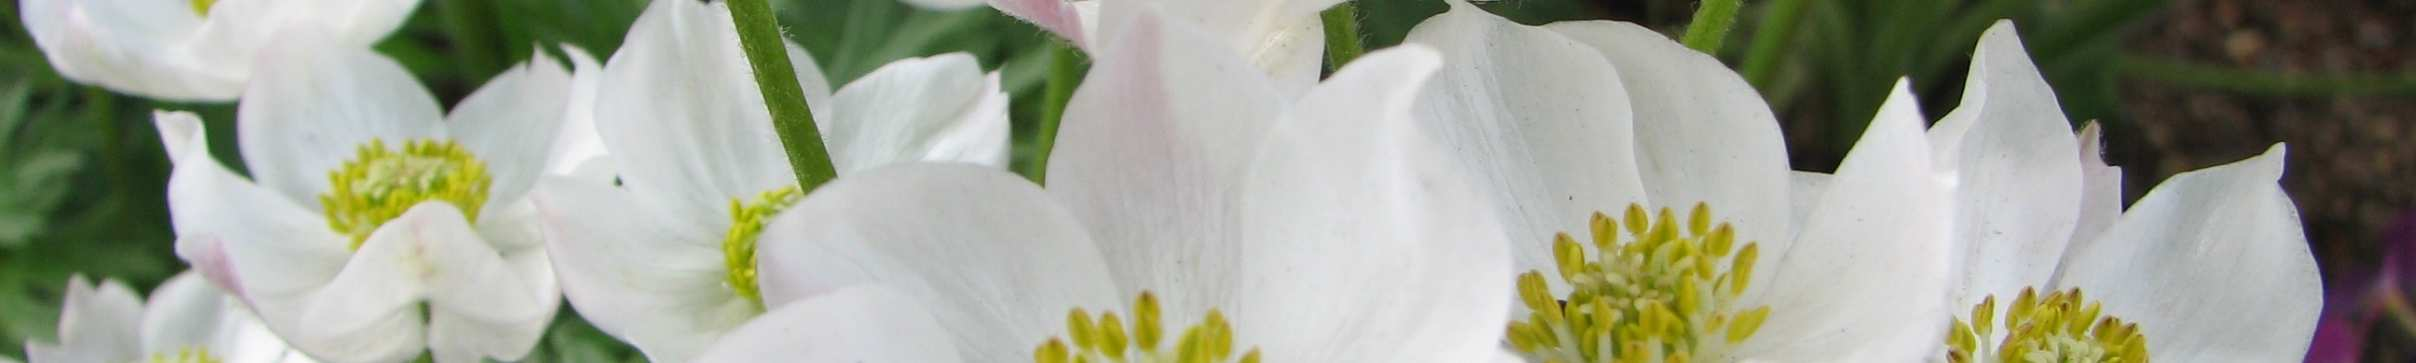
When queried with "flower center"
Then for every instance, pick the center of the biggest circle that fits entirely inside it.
(202, 7)
(1105, 339)
(1659, 296)
(2063, 327)
(187, 354)
(378, 184)
(747, 219)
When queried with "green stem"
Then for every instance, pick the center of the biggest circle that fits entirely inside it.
(1711, 25)
(1065, 72)
(1341, 35)
(1769, 39)
(759, 35)
(2265, 83)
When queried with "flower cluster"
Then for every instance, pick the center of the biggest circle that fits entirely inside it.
(1413, 205)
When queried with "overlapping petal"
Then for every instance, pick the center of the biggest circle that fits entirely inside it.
(1535, 116)
(940, 108)
(1151, 151)
(995, 258)
(2212, 265)
(1868, 258)
(1361, 237)
(678, 110)
(658, 286)
(2011, 150)
(97, 323)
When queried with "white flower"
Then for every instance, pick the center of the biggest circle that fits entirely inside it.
(1284, 38)
(1572, 119)
(375, 227)
(186, 319)
(196, 50)
(1237, 224)
(663, 261)
(2209, 266)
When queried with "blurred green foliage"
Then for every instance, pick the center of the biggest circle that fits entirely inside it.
(82, 178)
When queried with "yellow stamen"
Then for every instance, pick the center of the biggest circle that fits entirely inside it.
(379, 184)
(187, 354)
(747, 220)
(2064, 326)
(1664, 295)
(1104, 339)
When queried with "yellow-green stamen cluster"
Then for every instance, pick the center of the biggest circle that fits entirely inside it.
(189, 354)
(747, 219)
(2062, 327)
(202, 7)
(1660, 296)
(379, 184)
(1105, 339)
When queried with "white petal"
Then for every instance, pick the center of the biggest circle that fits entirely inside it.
(578, 142)
(308, 118)
(679, 111)
(2017, 186)
(96, 324)
(237, 31)
(1364, 244)
(129, 46)
(939, 108)
(1805, 189)
(256, 244)
(456, 337)
(1057, 16)
(479, 304)
(1285, 39)
(1539, 117)
(1151, 153)
(1703, 134)
(2101, 188)
(853, 324)
(996, 258)
(186, 311)
(1866, 279)
(510, 124)
(638, 275)
(2212, 265)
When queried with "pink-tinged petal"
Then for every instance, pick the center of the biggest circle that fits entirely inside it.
(1151, 153)
(1056, 16)
(249, 240)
